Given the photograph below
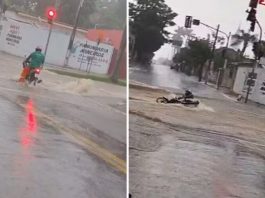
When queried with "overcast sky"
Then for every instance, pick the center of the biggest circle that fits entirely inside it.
(228, 13)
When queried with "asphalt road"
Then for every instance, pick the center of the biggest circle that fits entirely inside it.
(56, 144)
(213, 151)
(180, 152)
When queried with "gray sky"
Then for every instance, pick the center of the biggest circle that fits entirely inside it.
(227, 13)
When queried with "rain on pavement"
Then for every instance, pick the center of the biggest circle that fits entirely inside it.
(60, 144)
(213, 151)
(162, 76)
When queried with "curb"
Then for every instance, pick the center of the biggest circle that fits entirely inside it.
(147, 88)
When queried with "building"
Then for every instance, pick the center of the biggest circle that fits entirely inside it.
(239, 76)
(103, 62)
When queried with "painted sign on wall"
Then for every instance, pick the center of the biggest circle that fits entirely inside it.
(13, 36)
(248, 82)
(21, 39)
(90, 56)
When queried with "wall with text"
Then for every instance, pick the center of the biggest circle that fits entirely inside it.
(21, 39)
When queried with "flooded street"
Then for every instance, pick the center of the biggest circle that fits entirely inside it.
(53, 142)
(162, 76)
(215, 150)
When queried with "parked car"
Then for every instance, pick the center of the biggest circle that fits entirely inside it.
(175, 66)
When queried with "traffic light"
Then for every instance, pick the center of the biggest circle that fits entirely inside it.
(255, 47)
(252, 26)
(51, 13)
(252, 15)
(188, 21)
(253, 3)
(196, 22)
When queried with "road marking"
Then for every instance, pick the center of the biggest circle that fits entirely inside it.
(87, 143)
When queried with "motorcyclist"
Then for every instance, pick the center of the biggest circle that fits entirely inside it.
(187, 95)
(34, 60)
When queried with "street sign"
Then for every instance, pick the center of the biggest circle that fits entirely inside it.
(262, 2)
(188, 21)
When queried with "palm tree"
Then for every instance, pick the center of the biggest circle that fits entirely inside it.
(243, 37)
(185, 32)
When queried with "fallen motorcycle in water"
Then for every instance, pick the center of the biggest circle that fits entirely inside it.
(174, 99)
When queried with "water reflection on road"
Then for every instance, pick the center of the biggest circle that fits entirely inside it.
(163, 76)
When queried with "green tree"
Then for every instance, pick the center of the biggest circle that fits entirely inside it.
(113, 13)
(195, 55)
(260, 49)
(243, 37)
(185, 33)
(148, 19)
(182, 56)
(200, 51)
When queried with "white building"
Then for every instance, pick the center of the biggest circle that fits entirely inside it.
(20, 34)
(242, 80)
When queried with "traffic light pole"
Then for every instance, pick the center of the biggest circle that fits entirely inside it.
(225, 63)
(48, 40)
(256, 64)
(227, 44)
(71, 42)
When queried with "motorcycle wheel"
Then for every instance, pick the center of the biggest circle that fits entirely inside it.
(161, 100)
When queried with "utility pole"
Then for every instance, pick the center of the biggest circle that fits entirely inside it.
(48, 39)
(225, 62)
(70, 45)
(115, 74)
(226, 47)
(212, 54)
(256, 63)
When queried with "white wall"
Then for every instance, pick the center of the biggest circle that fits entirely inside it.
(240, 79)
(28, 37)
(257, 95)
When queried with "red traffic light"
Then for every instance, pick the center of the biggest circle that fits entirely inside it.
(51, 13)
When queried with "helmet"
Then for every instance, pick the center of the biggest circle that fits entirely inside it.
(188, 92)
(38, 49)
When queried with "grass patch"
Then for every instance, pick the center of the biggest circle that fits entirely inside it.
(105, 79)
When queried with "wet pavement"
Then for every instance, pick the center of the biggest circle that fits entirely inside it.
(60, 144)
(214, 151)
(162, 76)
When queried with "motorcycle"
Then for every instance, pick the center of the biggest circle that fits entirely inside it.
(33, 76)
(178, 100)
